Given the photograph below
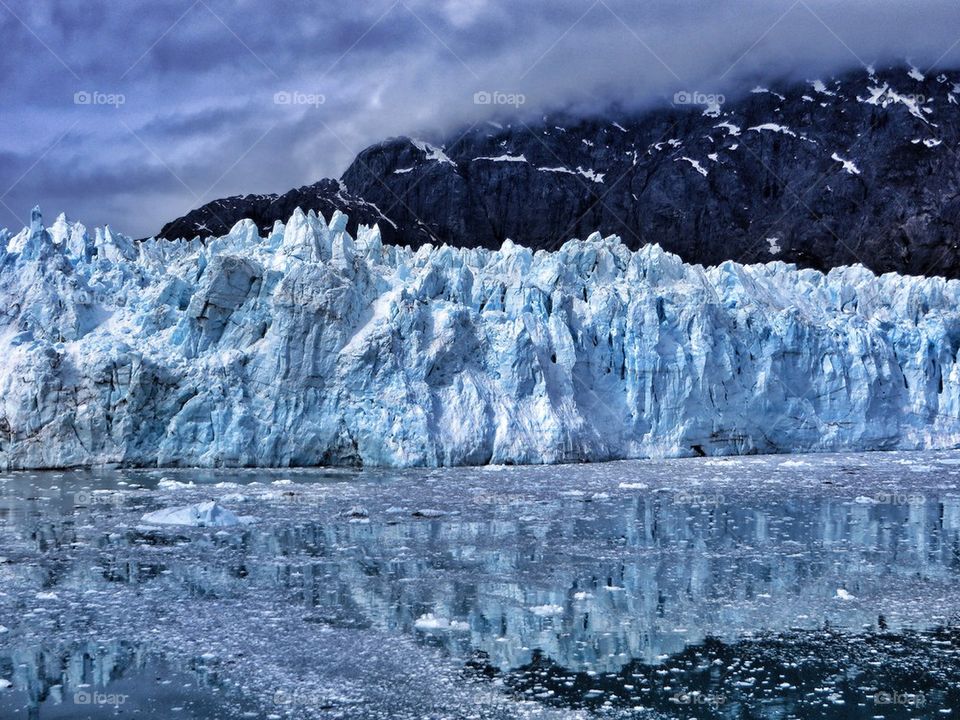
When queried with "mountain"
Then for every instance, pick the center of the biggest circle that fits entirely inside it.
(309, 346)
(861, 168)
(325, 197)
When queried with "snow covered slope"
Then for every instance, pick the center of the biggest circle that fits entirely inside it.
(309, 346)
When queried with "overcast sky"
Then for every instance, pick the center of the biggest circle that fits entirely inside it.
(131, 112)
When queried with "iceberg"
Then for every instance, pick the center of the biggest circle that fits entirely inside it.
(308, 346)
(207, 514)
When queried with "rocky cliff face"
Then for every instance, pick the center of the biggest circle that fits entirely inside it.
(308, 347)
(862, 168)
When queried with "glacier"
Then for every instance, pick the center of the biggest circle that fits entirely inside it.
(308, 346)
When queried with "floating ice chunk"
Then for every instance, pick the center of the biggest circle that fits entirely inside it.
(235, 498)
(432, 622)
(633, 486)
(207, 514)
(5, 684)
(844, 595)
(168, 484)
(547, 610)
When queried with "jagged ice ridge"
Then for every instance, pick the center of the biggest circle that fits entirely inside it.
(308, 346)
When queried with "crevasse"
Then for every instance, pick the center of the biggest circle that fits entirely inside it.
(311, 347)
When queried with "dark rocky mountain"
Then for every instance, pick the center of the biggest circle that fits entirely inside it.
(217, 217)
(861, 168)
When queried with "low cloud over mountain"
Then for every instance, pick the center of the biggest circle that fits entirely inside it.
(197, 101)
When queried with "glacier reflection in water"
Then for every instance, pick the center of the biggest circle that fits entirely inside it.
(817, 586)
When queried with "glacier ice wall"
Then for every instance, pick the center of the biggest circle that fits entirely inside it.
(311, 347)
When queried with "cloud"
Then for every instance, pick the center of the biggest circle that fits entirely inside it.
(199, 80)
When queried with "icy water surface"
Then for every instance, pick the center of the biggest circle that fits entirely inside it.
(770, 587)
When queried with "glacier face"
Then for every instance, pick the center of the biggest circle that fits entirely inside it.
(309, 346)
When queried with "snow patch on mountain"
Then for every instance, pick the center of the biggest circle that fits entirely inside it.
(557, 170)
(432, 152)
(773, 127)
(309, 346)
(695, 164)
(591, 174)
(504, 158)
(820, 87)
(732, 129)
(884, 96)
(759, 89)
(713, 108)
(848, 165)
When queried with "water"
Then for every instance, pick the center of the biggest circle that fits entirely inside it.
(771, 587)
